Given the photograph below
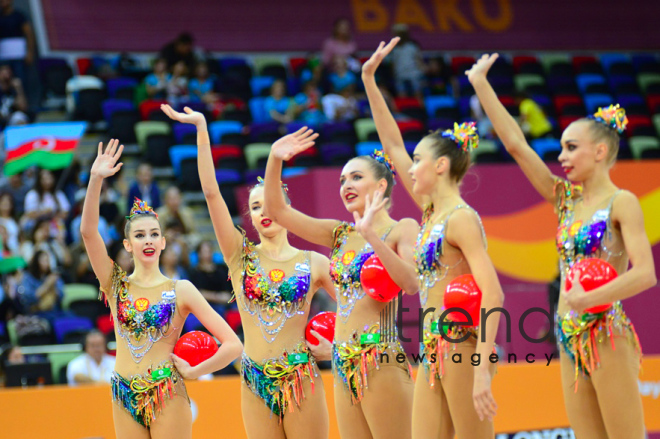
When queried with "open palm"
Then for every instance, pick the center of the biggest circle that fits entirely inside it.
(482, 66)
(188, 116)
(364, 223)
(291, 144)
(106, 164)
(370, 67)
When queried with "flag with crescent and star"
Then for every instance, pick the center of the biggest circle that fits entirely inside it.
(47, 145)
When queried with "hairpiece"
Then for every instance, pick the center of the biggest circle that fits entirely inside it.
(613, 116)
(260, 182)
(381, 157)
(140, 208)
(465, 135)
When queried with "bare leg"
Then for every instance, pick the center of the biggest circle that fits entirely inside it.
(350, 419)
(259, 421)
(430, 416)
(387, 402)
(125, 426)
(617, 389)
(174, 420)
(311, 420)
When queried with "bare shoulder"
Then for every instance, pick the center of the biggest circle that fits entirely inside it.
(318, 258)
(624, 205)
(185, 287)
(464, 216)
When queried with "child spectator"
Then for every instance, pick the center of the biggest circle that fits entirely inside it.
(177, 86)
(309, 107)
(156, 82)
(278, 105)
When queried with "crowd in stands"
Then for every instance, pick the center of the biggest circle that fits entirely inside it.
(48, 290)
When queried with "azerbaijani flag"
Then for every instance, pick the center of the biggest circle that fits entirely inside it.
(47, 145)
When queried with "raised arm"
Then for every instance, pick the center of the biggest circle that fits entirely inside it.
(229, 238)
(104, 166)
(388, 130)
(508, 130)
(317, 231)
(399, 263)
(230, 345)
(465, 233)
(627, 214)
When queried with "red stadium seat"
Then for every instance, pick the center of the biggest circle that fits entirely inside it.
(523, 59)
(562, 101)
(149, 106)
(405, 103)
(410, 125)
(463, 63)
(565, 121)
(654, 103)
(83, 65)
(297, 65)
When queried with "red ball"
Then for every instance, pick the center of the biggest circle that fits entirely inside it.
(324, 324)
(195, 347)
(593, 274)
(376, 281)
(463, 292)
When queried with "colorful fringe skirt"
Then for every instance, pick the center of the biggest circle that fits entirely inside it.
(579, 334)
(143, 396)
(351, 360)
(436, 349)
(279, 381)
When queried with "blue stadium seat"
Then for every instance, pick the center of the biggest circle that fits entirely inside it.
(178, 153)
(586, 79)
(433, 103)
(367, 148)
(257, 110)
(260, 83)
(111, 106)
(218, 128)
(545, 145)
(64, 325)
(592, 102)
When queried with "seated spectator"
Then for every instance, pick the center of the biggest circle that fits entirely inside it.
(42, 288)
(8, 222)
(173, 211)
(45, 202)
(17, 186)
(123, 258)
(533, 120)
(144, 188)
(83, 273)
(9, 355)
(439, 78)
(211, 279)
(170, 264)
(104, 227)
(278, 105)
(341, 77)
(202, 86)
(181, 49)
(342, 105)
(42, 240)
(408, 64)
(156, 82)
(177, 86)
(309, 107)
(13, 102)
(95, 365)
(341, 44)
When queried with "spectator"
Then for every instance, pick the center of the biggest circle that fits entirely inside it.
(341, 77)
(13, 102)
(439, 78)
(211, 279)
(16, 186)
(104, 227)
(202, 86)
(44, 201)
(8, 222)
(156, 82)
(484, 126)
(83, 273)
(181, 49)
(59, 256)
(408, 64)
(16, 30)
(533, 120)
(144, 188)
(341, 106)
(42, 289)
(9, 355)
(278, 105)
(177, 87)
(123, 258)
(95, 365)
(341, 44)
(175, 211)
(309, 107)
(170, 264)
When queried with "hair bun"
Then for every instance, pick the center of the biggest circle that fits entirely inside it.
(465, 135)
(381, 157)
(613, 116)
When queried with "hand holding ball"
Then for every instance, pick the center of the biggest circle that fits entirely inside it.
(376, 281)
(195, 347)
(593, 274)
(324, 324)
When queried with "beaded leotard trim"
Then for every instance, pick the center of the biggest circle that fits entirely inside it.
(429, 250)
(578, 334)
(140, 323)
(345, 269)
(271, 298)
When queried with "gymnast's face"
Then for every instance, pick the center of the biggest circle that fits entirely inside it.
(264, 225)
(357, 180)
(579, 153)
(145, 240)
(424, 170)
